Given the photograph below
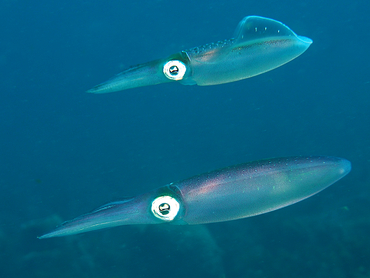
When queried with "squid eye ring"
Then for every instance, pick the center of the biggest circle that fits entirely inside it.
(165, 208)
(174, 70)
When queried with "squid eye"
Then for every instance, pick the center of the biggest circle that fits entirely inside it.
(165, 208)
(174, 70)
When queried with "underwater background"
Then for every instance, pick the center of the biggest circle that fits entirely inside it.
(64, 152)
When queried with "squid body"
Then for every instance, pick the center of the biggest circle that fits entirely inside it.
(259, 44)
(231, 193)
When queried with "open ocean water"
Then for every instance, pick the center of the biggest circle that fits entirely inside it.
(64, 152)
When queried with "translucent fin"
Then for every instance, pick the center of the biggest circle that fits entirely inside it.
(257, 27)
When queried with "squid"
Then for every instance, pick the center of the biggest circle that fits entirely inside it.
(226, 194)
(259, 45)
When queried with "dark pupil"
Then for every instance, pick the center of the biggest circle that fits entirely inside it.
(164, 208)
(174, 70)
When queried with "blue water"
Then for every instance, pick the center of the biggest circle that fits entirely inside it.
(64, 152)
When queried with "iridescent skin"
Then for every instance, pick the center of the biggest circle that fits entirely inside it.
(231, 193)
(259, 45)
